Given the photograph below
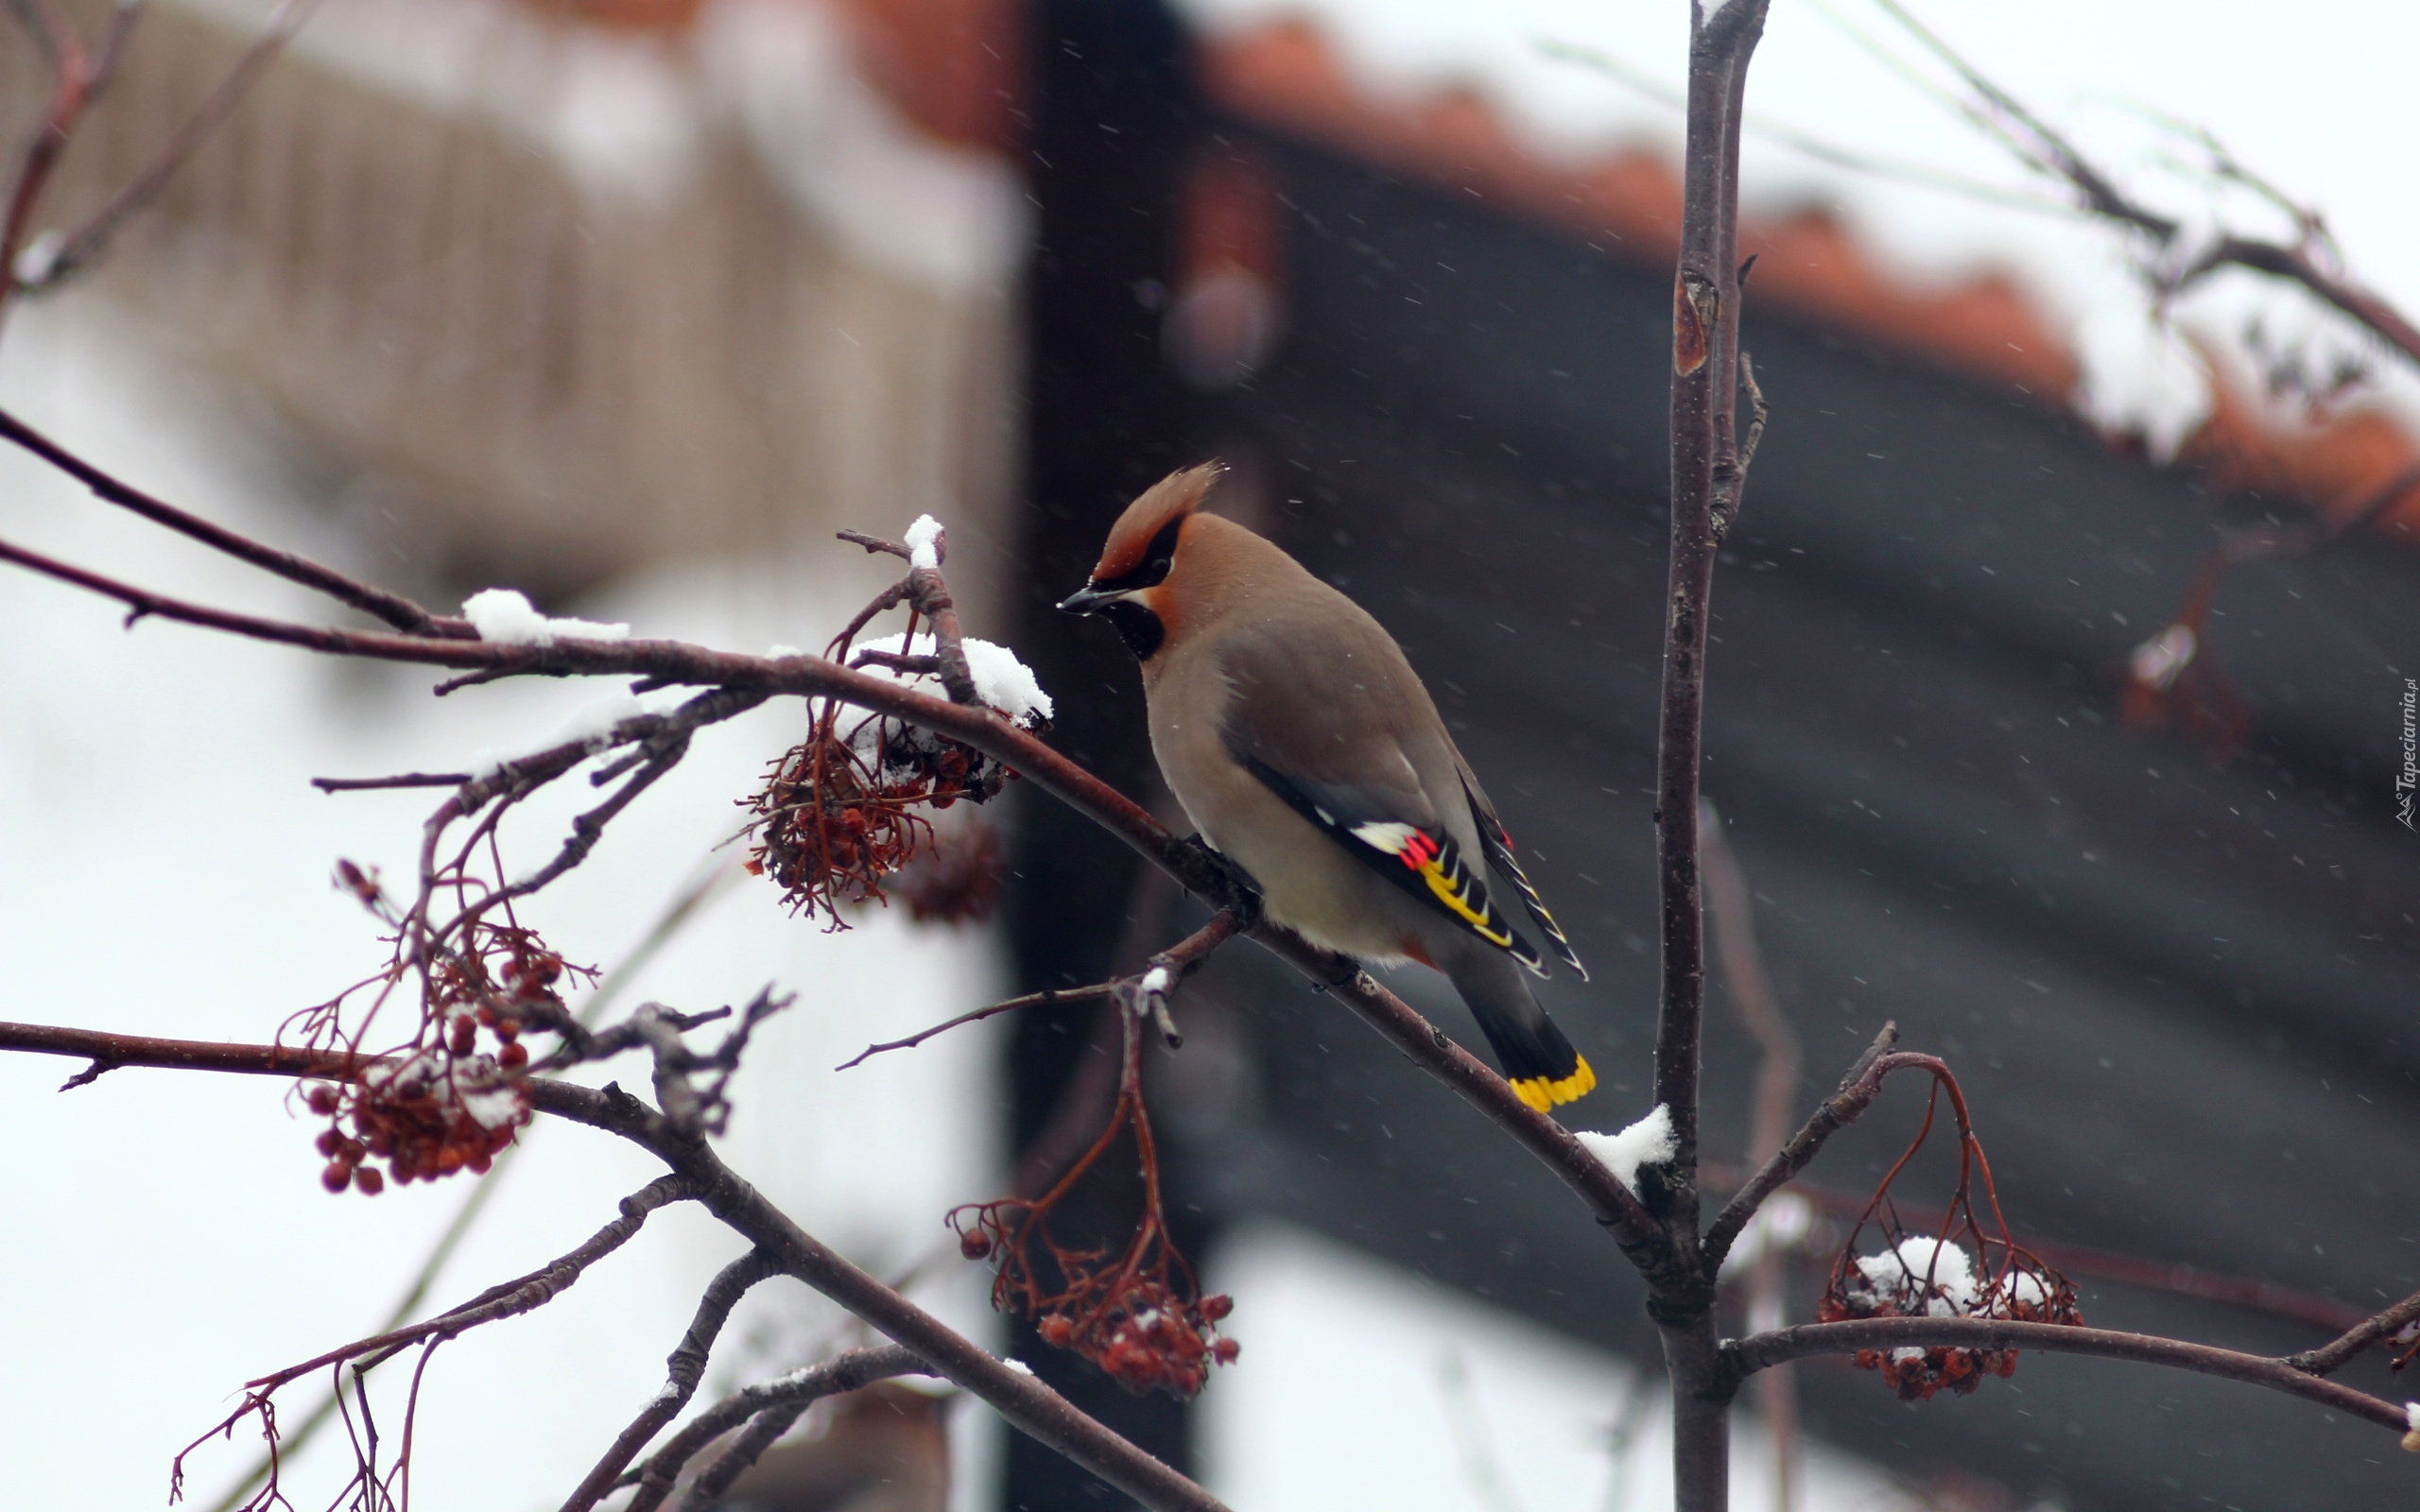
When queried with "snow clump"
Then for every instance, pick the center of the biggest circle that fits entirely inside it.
(505, 617)
(1648, 1142)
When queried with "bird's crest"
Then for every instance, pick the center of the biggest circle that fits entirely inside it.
(1161, 506)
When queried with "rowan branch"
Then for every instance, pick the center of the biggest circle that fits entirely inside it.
(766, 1402)
(663, 664)
(683, 1369)
(2037, 143)
(1173, 965)
(1766, 1350)
(2167, 1277)
(1031, 1000)
(1840, 1110)
(1021, 1398)
(1707, 478)
(696, 1173)
(395, 609)
(72, 252)
(2333, 1356)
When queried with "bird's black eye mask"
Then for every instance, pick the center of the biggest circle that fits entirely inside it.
(1154, 568)
(1135, 623)
(1138, 627)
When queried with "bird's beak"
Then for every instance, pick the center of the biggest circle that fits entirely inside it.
(1088, 600)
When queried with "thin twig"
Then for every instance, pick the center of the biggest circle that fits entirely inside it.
(799, 1389)
(858, 537)
(1752, 993)
(683, 1371)
(2332, 1356)
(372, 785)
(1031, 1000)
(2039, 145)
(79, 248)
(393, 607)
(505, 1300)
(1149, 993)
(1843, 1107)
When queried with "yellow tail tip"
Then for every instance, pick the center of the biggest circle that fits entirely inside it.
(1544, 1092)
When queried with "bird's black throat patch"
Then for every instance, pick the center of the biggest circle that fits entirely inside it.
(1136, 626)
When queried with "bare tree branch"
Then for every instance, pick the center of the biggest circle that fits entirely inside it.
(778, 1400)
(1706, 478)
(77, 249)
(2038, 145)
(683, 1371)
(2333, 1356)
(696, 1171)
(1024, 1400)
(1767, 1349)
(1838, 1111)
(394, 608)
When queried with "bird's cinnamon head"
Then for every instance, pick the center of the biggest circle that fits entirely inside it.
(1127, 586)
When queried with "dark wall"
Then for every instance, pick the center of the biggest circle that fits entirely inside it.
(1113, 110)
(2183, 996)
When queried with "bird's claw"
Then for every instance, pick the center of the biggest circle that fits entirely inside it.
(1241, 893)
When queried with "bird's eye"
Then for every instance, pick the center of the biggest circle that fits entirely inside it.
(1160, 566)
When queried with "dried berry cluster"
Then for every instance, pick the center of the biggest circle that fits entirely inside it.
(447, 1103)
(429, 1116)
(1131, 1318)
(1926, 1278)
(1139, 1315)
(840, 812)
(826, 834)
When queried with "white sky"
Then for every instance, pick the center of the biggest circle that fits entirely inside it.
(2318, 101)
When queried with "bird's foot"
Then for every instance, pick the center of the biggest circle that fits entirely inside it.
(1241, 894)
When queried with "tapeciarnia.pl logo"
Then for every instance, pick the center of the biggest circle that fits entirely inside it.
(2407, 780)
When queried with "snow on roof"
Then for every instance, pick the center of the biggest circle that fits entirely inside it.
(1941, 243)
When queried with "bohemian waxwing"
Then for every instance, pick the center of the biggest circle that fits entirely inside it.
(1305, 749)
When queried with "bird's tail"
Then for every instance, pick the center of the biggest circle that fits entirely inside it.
(1538, 1061)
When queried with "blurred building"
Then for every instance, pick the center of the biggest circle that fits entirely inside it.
(560, 289)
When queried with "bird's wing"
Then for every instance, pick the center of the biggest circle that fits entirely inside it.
(1326, 737)
(1494, 839)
